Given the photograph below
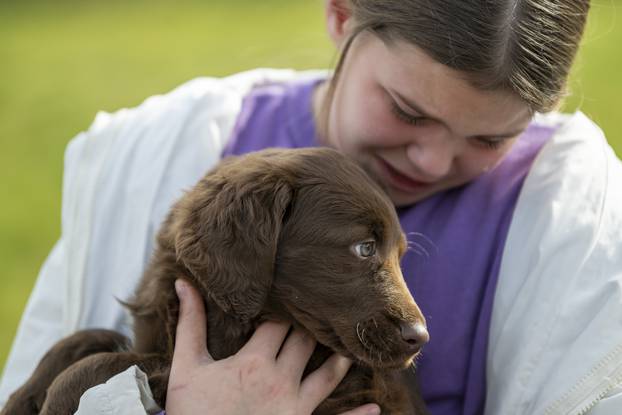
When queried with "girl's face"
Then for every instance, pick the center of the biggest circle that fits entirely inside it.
(417, 124)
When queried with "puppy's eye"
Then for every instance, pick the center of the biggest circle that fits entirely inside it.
(365, 249)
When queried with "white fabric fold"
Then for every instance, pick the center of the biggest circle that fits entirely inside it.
(127, 393)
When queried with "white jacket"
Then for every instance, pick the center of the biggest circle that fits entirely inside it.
(556, 336)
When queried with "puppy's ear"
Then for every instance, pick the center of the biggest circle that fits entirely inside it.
(227, 230)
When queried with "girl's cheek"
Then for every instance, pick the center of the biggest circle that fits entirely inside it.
(379, 129)
(476, 162)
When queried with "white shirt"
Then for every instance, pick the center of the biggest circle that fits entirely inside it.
(555, 342)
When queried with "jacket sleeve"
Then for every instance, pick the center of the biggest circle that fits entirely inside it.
(555, 344)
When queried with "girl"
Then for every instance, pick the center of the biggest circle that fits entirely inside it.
(518, 261)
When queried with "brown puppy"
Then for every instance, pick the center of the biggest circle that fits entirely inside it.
(303, 236)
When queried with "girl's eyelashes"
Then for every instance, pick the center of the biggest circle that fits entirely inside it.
(491, 143)
(403, 116)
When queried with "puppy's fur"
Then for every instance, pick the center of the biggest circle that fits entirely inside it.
(303, 236)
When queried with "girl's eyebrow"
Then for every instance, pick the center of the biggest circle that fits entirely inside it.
(416, 108)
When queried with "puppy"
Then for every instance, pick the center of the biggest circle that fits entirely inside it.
(304, 236)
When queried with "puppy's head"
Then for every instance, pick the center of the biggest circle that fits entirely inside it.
(310, 232)
(338, 265)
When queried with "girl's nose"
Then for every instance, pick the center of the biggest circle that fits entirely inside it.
(433, 154)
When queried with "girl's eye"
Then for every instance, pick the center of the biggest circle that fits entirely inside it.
(491, 144)
(365, 249)
(403, 116)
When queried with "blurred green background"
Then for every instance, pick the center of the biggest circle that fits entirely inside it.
(62, 61)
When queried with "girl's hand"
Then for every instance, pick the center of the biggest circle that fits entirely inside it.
(257, 380)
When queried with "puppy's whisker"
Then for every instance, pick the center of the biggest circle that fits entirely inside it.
(418, 251)
(422, 236)
(361, 335)
(418, 248)
(365, 343)
(425, 242)
(358, 333)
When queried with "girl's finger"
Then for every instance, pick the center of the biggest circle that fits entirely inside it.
(267, 339)
(295, 353)
(191, 334)
(369, 409)
(319, 384)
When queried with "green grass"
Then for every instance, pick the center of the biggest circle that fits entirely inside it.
(62, 61)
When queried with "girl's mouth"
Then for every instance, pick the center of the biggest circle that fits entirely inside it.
(399, 180)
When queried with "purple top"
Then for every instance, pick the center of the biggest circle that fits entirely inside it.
(457, 235)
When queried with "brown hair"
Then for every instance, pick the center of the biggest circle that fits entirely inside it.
(525, 46)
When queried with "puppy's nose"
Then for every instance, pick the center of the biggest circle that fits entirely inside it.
(415, 334)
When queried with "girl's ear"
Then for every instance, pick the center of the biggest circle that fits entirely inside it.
(338, 20)
(227, 231)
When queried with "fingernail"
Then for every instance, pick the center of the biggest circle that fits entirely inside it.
(374, 410)
(180, 287)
